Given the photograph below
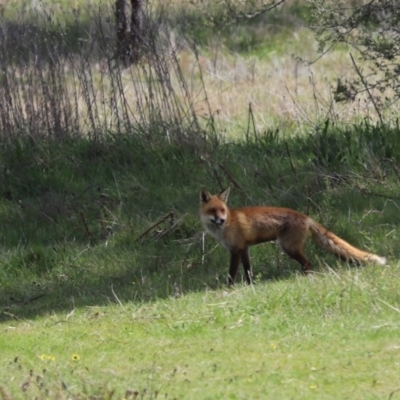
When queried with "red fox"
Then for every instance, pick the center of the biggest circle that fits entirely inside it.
(238, 228)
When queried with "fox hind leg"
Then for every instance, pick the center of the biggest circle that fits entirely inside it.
(300, 258)
(292, 245)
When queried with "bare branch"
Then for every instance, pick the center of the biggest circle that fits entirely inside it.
(367, 89)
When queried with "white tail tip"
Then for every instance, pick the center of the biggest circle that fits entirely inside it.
(379, 260)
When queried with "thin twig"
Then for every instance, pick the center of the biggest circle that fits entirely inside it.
(11, 315)
(393, 392)
(230, 177)
(290, 159)
(367, 89)
(171, 228)
(24, 205)
(85, 224)
(389, 305)
(203, 235)
(366, 192)
(219, 180)
(30, 299)
(244, 16)
(169, 215)
(308, 188)
(116, 297)
(251, 118)
(70, 314)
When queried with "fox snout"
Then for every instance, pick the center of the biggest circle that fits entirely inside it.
(217, 221)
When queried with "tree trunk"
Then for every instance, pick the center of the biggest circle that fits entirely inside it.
(129, 34)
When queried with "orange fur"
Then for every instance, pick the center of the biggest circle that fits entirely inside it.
(237, 229)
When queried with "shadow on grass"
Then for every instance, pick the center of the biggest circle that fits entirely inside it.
(107, 276)
(88, 223)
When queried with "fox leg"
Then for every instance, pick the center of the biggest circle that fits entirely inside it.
(300, 258)
(246, 265)
(234, 266)
(294, 249)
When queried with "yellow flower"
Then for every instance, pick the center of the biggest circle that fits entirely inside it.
(273, 346)
(75, 357)
(47, 357)
(313, 387)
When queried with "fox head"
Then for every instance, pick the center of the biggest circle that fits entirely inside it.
(213, 208)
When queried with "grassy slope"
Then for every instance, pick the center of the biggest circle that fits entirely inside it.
(178, 330)
(57, 217)
(334, 335)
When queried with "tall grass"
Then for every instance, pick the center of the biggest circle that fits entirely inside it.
(60, 78)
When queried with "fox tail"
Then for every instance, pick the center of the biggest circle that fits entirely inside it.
(340, 248)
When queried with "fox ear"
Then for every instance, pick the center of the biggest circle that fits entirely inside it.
(224, 194)
(205, 195)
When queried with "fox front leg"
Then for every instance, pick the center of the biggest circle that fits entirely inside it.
(236, 257)
(246, 265)
(234, 266)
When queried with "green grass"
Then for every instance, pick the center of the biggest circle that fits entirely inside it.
(266, 33)
(331, 335)
(150, 313)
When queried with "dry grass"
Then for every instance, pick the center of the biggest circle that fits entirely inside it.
(282, 91)
(175, 80)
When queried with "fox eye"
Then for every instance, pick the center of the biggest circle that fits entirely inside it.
(222, 210)
(212, 210)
